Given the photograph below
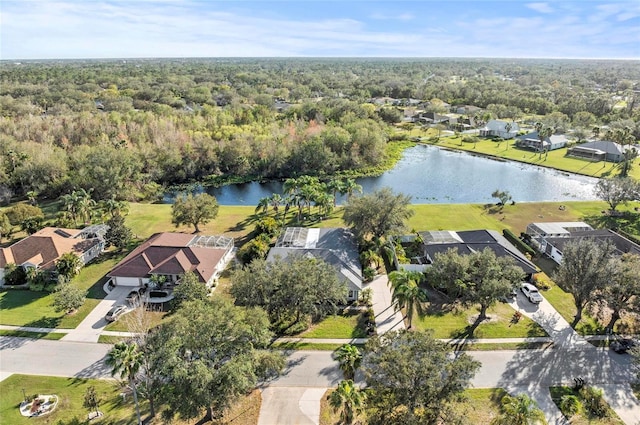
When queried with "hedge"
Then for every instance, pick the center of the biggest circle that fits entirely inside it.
(508, 234)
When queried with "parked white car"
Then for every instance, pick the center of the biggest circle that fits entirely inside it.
(531, 292)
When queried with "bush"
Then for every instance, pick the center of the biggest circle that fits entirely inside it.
(523, 247)
(541, 280)
(594, 402)
(14, 275)
(369, 273)
(267, 226)
(570, 405)
(365, 297)
(256, 248)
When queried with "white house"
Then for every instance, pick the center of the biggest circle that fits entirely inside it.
(498, 128)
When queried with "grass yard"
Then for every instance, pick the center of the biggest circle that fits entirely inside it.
(131, 321)
(307, 346)
(34, 335)
(457, 323)
(554, 159)
(30, 308)
(480, 406)
(71, 395)
(349, 324)
(583, 417)
(117, 412)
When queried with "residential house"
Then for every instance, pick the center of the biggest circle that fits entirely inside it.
(335, 246)
(532, 141)
(171, 255)
(434, 118)
(498, 128)
(550, 238)
(599, 150)
(466, 109)
(465, 242)
(43, 249)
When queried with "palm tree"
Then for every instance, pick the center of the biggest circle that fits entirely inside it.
(68, 265)
(349, 399)
(263, 204)
(596, 132)
(125, 361)
(32, 197)
(114, 207)
(334, 186)
(275, 201)
(349, 357)
(350, 187)
(519, 410)
(406, 292)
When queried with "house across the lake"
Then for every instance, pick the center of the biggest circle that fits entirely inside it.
(600, 150)
(532, 141)
(43, 249)
(498, 128)
(336, 246)
(170, 255)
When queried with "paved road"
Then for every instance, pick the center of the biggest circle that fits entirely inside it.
(53, 358)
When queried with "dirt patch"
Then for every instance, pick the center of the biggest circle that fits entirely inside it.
(489, 319)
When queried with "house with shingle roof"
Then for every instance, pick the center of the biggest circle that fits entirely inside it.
(600, 150)
(499, 128)
(551, 238)
(171, 255)
(465, 242)
(43, 249)
(335, 246)
(549, 143)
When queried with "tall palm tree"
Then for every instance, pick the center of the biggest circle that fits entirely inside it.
(349, 400)
(519, 410)
(406, 293)
(263, 204)
(125, 361)
(350, 187)
(334, 186)
(275, 201)
(349, 357)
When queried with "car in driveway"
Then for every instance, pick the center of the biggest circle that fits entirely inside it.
(115, 313)
(622, 345)
(531, 292)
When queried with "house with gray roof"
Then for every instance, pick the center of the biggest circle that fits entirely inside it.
(599, 150)
(549, 143)
(498, 128)
(466, 242)
(335, 246)
(551, 238)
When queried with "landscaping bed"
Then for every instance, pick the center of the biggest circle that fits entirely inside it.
(583, 416)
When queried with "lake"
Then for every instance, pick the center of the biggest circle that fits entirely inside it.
(432, 175)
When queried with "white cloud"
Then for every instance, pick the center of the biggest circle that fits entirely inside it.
(540, 7)
(171, 28)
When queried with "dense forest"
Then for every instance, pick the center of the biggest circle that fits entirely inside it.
(128, 128)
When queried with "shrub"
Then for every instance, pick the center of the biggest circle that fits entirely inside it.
(541, 280)
(365, 297)
(268, 226)
(369, 273)
(523, 247)
(14, 275)
(256, 248)
(594, 402)
(570, 405)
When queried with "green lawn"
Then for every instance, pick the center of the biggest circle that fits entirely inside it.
(555, 159)
(35, 335)
(70, 392)
(129, 322)
(457, 323)
(478, 406)
(30, 308)
(306, 346)
(347, 325)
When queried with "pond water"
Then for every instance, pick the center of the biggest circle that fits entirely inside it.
(432, 175)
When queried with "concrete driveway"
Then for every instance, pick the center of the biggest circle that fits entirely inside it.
(90, 328)
(387, 318)
(294, 397)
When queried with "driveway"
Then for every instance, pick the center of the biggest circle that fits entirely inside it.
(294, 397)
(387, 318)
(90, 328)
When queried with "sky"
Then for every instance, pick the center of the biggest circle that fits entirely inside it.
(42, 29)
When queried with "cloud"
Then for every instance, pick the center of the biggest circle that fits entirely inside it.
(172, 28)
(401, 17)
(540, 7)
